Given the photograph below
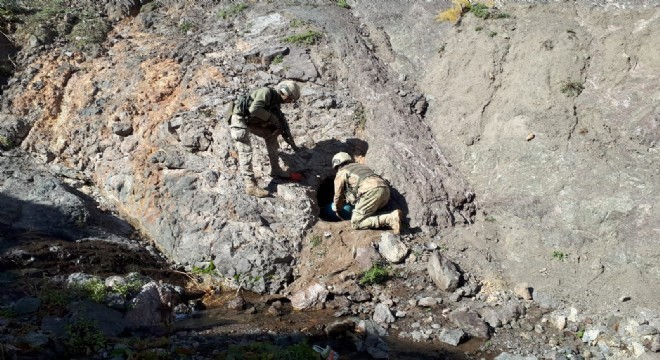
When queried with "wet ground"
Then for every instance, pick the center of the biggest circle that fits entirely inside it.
(27, 260)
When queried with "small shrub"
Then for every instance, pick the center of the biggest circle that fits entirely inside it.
(559, 255)
(480, 10)
(89, 31)
(9, 11)
(231, 11)
(492, 33)
(343, 4)
(53, 299)
(308, 38)
(94, 289)
(454, 13)
(296, 23)
(360, 117)
(6, 312)
(6, 143)
(129, 288)
(580, 333)
(83, 337)
(571, 88)
(278, 59)
(478, 28)
(315, 241)
(185, 26)
(204, 270)
(376, 275)
(490, 219)
(261, 350)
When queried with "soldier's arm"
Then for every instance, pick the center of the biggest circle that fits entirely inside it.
(340, 197)
(261, 99)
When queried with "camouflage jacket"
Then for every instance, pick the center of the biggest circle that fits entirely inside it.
(353, 180)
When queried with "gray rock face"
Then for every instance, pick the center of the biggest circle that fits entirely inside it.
(471, 323)
(392, 248)
(312, 296)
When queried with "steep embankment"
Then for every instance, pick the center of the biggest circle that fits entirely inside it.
(538, 131)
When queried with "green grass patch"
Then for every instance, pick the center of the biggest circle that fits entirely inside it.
(89, 31)
(261, 350)
(559, 255)
(231, 11)
(492, 33)
(295, 23)
(490, 219)
(343, 4)
(315, 240)
(360, 117)
(209, 269)
(278, 59)
(307, 38)
(83, 337)
(6, 143)
(378, 274)
(480, 10)
(185, 26)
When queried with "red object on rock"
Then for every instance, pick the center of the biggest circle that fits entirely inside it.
(296, 176)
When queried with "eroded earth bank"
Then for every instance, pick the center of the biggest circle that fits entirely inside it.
(519, 138)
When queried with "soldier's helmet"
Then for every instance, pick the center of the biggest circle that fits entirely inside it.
(339, 159)
(289, 88)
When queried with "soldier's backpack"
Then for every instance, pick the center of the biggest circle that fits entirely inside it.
(241, 105)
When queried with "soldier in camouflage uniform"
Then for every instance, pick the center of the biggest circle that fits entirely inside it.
(360, 186)
(260, 114)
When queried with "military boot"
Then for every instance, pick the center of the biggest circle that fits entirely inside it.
(277, 171)
(394, 221)
(252, 189)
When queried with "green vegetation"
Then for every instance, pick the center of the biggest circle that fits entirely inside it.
(278, 59)
(580, 333)
(315, 240)
(89, 31)
(482, 10)
(83, 337)
(232, 11)
(296, 23)
(204, 270)
(376, 275)
(559, 255)
(571, 88)
(492, 33)
(185, 26)
(6, 143)
(94, 289)
(260, 350)
(307, 38)
(343, 4)
(360, 117)
(9, 11)
(6, 312)
(129, 288)
(478, 28)
(490, 219)
(54, 299)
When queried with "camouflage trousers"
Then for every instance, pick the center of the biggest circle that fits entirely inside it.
(367, 205)
(241, 137)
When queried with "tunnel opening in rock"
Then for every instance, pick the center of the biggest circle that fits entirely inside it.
(325, 195)
(7, 50)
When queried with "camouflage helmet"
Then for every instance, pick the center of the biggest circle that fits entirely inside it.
(289, 88)
(339, 159)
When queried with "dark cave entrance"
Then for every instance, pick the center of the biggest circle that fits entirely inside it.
(324, 196)
(7, 50)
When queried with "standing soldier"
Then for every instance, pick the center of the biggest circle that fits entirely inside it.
(259, 113)
(359, 185)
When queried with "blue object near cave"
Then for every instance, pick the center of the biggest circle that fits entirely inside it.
(328, 213)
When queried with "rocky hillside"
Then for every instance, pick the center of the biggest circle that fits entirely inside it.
(520, 140)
